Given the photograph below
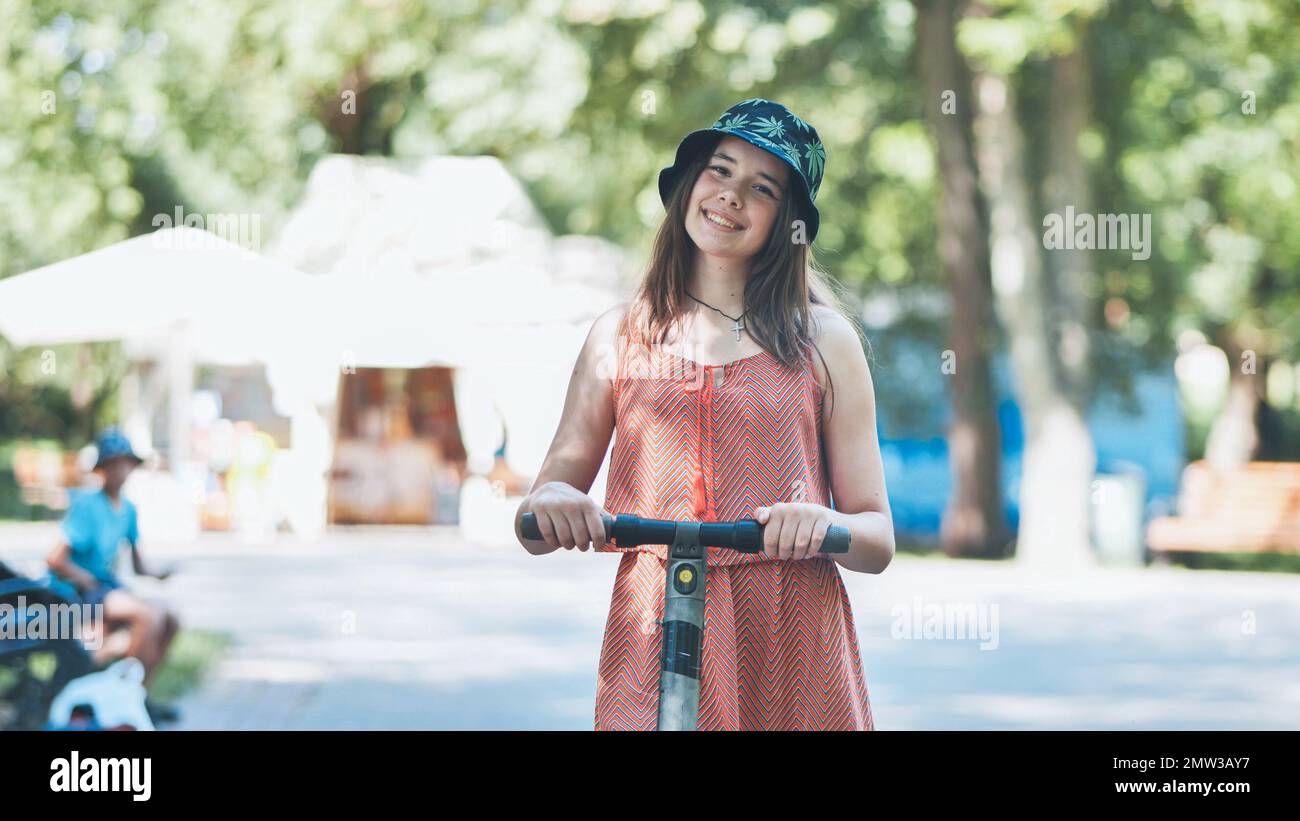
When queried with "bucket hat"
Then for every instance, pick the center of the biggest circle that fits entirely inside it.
(111, 444)
(772, 127)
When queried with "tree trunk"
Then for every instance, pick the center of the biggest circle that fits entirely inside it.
(1058, 463)
(343, 115)
(973, 524)
(1234, 437)
(1073, 275)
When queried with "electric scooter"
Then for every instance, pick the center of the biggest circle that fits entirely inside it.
(687, 571)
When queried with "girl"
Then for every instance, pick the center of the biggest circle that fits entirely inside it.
(720, 411)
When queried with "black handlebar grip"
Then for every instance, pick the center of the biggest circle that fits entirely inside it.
(746, 536)
(532, 531)
(742, 535)
(836, 540)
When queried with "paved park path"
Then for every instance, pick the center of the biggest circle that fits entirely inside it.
(411, 628)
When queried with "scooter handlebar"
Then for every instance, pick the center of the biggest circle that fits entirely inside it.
(744, 535)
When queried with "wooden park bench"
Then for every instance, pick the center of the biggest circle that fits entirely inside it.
(1251, 509)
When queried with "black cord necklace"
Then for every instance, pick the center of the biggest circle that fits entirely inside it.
(738, 323)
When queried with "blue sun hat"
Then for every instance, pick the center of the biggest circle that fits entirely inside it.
(772, 127)
(111, 444)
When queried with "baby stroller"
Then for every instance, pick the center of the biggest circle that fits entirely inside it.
(53, 682)
(32, 670)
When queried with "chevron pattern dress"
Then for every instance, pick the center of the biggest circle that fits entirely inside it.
(711, 443)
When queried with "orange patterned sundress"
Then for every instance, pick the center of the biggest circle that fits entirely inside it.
(711, 443)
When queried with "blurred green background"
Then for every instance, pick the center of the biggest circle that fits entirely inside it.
(1189, 112)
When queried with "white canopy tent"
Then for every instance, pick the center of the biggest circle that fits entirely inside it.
(457, 235)
(182, 294)
(383, 264)
(144, 287)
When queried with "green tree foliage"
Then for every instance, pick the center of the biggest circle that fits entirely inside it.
(117, 113)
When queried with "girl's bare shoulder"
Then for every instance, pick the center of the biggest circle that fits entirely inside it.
(839, 344)
(600, 352)
(609, 321)
(606, 327)
(828, 320)
(833, 331)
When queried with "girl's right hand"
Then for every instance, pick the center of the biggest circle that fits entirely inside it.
(566, 516)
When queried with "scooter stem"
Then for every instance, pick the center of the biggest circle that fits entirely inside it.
(683, 627)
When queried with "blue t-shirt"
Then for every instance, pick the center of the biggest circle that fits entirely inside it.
(95, 530)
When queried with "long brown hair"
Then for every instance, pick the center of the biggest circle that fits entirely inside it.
(783, 285)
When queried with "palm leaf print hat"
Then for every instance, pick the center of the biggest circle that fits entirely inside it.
(772, 127)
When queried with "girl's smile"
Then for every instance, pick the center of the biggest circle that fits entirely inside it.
(719, 221)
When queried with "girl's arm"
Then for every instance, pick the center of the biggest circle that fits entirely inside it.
(853, 449)
(586, 425)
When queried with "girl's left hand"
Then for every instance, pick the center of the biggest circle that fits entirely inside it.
(793, 530)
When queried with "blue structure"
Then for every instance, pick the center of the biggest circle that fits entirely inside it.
(914, 410)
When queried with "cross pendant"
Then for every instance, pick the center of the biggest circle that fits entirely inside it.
(737, 328)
